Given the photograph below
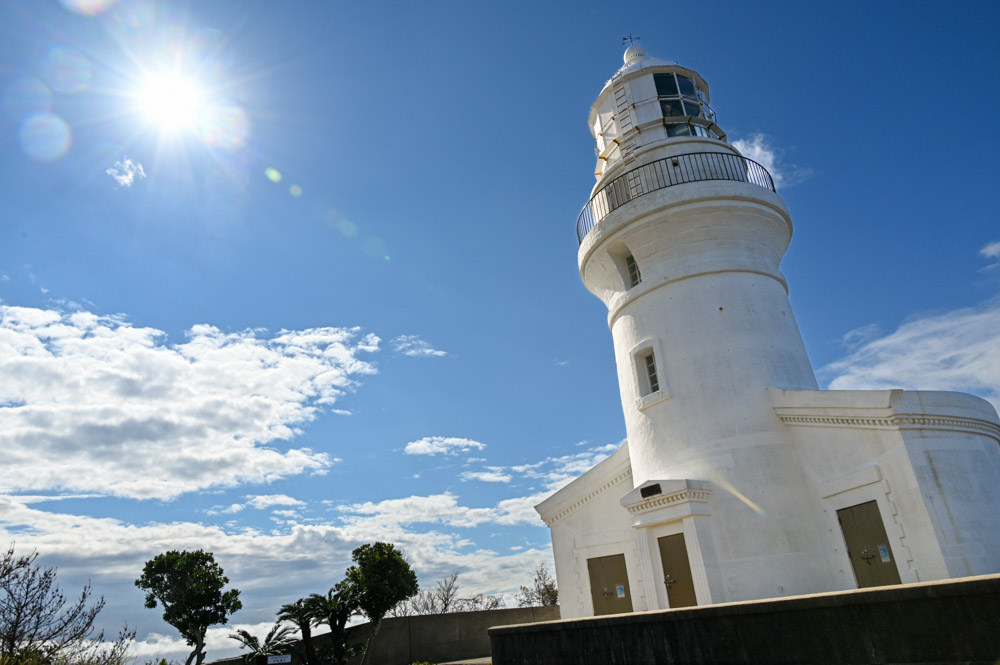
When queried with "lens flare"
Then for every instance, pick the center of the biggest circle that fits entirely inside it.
(45, 137)
(295, 191)
(207, 47)
(88, 7)
(375, 248)
(720, 480)
(224, 126)
(66, 70)
(274, 175)
(25, 96)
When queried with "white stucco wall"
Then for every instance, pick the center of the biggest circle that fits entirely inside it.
(930, 459)
(587, 521)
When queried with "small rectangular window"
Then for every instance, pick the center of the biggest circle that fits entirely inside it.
(654, 384)
(634, 276)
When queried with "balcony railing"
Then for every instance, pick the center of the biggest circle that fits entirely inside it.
(663, 173)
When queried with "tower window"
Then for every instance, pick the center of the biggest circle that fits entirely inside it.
(680, 97)
(649, 363)
(634, 276)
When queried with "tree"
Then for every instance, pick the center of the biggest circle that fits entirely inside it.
(444, 598)
(39, 624)
(335, 609)
(277, 641)
(381, 578)
(481, 602)
(189, 585)
(302, 615)
(544, 591)
(439, 600)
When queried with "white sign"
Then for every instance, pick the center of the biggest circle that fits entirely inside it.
(273, 660)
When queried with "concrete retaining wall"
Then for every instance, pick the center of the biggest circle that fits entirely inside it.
(441, 637)
(954, 621)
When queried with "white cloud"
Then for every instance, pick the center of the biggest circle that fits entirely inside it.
(91, 403)
(225, 510)
(4, 277)
(441, 445)
(758, 147)
(991, 250)
(412, 345)
(126, 171)
(437, 508)
(494, 474)
(555, 472)
(957, 350)
(277, 566)
(260, 502)
(263, 501)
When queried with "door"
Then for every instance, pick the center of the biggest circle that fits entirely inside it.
(677, 571)
(609, 585)
(867, 545)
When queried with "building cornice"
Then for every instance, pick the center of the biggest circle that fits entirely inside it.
(898, 422)
(684, 496)
(617, 480)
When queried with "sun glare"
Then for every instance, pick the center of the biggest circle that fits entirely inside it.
(172, 102)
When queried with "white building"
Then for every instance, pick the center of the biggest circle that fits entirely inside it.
(741, 479)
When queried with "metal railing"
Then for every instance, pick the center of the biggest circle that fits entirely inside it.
(667, 172)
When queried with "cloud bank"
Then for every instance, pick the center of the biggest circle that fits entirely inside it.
(957, 350)
(91, 403)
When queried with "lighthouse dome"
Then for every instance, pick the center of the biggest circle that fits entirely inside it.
(633, 52)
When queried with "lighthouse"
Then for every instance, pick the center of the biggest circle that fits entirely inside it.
(739, 478)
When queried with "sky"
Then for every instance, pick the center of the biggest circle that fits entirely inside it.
(281, 278)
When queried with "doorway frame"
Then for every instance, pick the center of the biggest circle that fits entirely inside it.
(863, 486)
(682, 506)
(621, 541)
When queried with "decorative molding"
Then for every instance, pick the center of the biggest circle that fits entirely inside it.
(686, 495)
(604, 487)
(915, 421)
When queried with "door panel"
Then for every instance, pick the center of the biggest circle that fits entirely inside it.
(868, 546)
(677, 571)
(609, 585)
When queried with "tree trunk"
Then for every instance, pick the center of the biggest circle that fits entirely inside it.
(368, 644)
(199, 650)
(306, 631)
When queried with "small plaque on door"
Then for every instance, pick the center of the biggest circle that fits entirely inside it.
(883, 552)
(621, 590)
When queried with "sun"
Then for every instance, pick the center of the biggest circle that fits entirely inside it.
(172, 101)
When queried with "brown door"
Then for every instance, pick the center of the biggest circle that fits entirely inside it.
(867, 545)
(609, 585)
(677, 571)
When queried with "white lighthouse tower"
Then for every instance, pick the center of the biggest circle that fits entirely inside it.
(740, 479)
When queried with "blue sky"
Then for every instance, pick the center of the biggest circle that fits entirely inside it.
(340, 303)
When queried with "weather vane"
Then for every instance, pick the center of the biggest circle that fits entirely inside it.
(630, 39)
